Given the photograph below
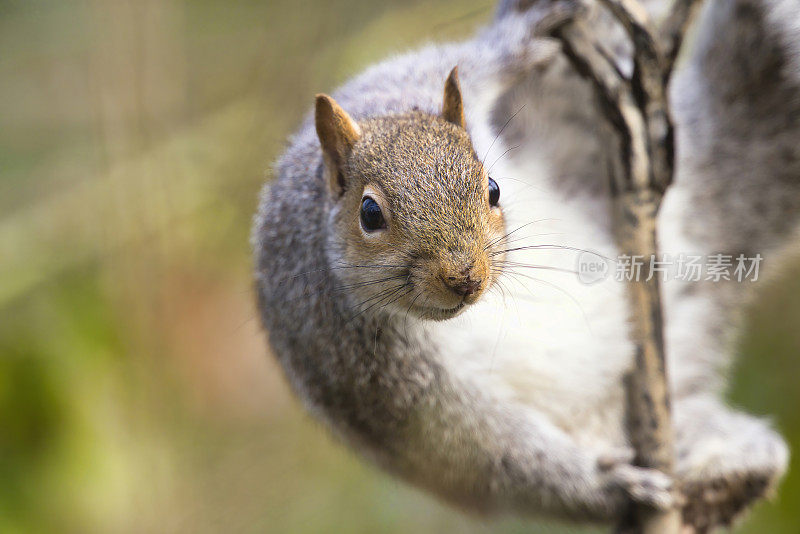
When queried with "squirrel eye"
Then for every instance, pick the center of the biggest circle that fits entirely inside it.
(371, 216)
(494, 192)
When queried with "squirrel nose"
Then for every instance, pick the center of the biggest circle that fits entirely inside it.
(465, 286)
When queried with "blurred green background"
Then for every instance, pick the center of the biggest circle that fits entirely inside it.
(136, 394)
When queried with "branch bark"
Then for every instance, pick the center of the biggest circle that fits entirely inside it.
(636, 109)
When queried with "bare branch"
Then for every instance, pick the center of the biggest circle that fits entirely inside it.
(634, 18)
(617, 102)
(647, 58)
(647, 81)
(584, 53)
(673, 30)
(642, 166)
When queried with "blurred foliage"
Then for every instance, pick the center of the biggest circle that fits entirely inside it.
(135, 390)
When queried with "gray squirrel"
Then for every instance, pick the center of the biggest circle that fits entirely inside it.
(413, 260)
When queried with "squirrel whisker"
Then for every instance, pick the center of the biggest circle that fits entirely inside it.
(520, 265)
(370, 282)
(500, 239)
(328, 269)
(505, 236)
(381, 296)
(307, 292)
(496, 137)
(561, 290)
(548, 247)
(501, 157)
(408, 310)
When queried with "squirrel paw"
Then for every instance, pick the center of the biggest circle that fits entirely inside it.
(646, 486)
(725, 478)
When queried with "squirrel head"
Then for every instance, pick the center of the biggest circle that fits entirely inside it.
(414, 214)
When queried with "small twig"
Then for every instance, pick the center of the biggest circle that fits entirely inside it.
(634, 18)
(616, 99)
(637, 110)
(673, 30)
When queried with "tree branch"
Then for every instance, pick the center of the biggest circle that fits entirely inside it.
(616, 99)
(673, 30)
(637, 110)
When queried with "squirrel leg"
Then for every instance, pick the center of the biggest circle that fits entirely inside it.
(487, 455)
(726, 460)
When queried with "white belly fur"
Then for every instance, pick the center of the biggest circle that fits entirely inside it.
(554, 344)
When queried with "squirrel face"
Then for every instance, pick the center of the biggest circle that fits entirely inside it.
(413, 211)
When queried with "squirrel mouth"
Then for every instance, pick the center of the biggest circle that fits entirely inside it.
(439, 314)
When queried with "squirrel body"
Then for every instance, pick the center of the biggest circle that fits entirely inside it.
(444, 337)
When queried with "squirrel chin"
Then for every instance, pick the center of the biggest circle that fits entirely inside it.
(440, 314)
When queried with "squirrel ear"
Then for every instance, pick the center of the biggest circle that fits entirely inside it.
(453, 107)
(337, 133)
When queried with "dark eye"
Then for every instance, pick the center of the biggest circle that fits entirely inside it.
(371, 216)
(494, 193)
